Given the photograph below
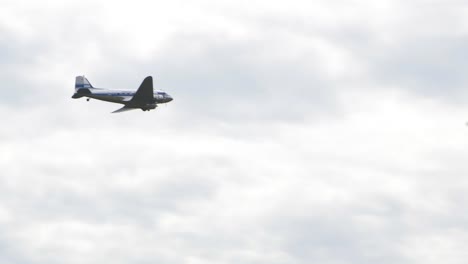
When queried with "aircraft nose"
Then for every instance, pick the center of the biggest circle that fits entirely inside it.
(169, 98)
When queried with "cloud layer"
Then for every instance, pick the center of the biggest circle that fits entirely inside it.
(328, 132)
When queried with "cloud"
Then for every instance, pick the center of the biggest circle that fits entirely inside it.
(313, 132)
(312, 192)
(430, 67)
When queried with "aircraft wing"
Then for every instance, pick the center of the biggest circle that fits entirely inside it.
(144, 94)
(124, 109)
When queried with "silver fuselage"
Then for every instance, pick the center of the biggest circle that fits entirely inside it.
(124, 96)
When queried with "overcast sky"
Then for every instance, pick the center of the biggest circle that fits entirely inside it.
(301, 132)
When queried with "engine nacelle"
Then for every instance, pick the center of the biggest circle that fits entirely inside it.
(149, 107)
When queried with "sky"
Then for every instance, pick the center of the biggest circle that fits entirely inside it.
(301, 132)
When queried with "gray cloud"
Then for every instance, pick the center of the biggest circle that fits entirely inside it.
(235, 81)
(431, 67)
(16, 60)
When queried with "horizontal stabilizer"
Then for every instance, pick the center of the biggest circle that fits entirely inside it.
(124, 109)
(81, 92)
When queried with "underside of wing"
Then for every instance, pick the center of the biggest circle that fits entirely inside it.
(124, 109)
(144, 94)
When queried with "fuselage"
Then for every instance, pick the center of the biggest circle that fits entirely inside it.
(124, 96)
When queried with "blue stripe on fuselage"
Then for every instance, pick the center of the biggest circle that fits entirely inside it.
(82, 86)
(118, 94)
(114, 94)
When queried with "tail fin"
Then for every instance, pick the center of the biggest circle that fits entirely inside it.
(82, 87)
(81, 82)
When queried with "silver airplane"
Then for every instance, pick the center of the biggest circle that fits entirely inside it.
(145, 98)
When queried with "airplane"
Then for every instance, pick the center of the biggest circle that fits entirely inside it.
(145, 98)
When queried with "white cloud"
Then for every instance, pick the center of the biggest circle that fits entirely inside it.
(297, 135)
